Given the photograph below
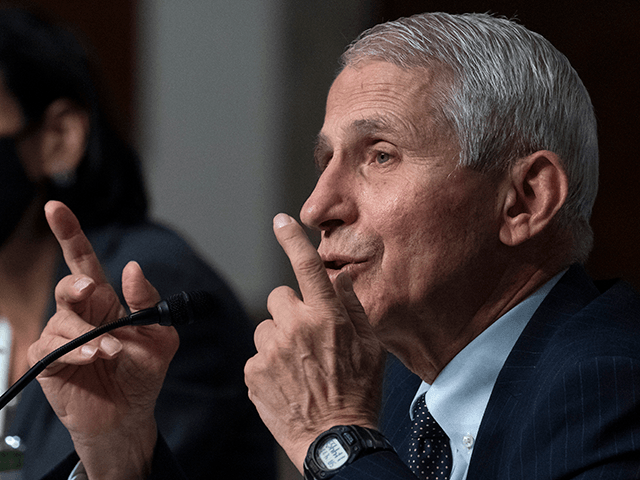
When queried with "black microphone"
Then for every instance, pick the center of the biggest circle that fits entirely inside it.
(180, 309)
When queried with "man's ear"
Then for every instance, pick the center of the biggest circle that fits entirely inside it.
(536, 188)
(63, 138)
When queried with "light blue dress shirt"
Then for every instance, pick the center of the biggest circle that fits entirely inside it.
(78, 473)
(459, 395)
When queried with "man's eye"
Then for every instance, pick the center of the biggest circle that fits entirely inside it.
(383, 157)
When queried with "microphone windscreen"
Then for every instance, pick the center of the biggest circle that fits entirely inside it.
(185, 308)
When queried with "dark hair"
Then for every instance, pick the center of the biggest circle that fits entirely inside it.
(41, 62)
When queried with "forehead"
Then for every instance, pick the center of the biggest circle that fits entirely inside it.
(379, 97)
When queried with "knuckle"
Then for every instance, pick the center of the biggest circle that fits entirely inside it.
(257, 333)
(280, 295)
(33, 353)
(248, 370)
(261, 333)
(279, 292)
(254, 373)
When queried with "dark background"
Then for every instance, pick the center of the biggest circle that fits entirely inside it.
(109, 29)
(601, 39)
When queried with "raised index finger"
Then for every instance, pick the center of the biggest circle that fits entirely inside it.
(77, 251)
(307, 265)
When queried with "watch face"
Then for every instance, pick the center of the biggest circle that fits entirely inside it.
(332, 454)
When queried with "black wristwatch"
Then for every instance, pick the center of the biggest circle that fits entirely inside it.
(338, 447)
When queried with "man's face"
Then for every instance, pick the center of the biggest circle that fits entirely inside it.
(395, 212)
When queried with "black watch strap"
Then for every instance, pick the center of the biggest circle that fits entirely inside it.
(338, 447)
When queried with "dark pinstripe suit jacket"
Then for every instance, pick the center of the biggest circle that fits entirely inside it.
(566, 404)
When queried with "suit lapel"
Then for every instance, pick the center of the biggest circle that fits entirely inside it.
(571, 294)
(399, 389)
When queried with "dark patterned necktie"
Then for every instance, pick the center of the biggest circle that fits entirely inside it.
(429, 450)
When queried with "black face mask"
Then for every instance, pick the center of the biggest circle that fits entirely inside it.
(16, 190)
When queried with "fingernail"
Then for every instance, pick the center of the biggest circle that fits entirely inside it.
(82, 283)
(281, 220)
(110, 345)
(88, 351)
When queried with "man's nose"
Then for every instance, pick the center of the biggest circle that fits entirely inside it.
(332, 202)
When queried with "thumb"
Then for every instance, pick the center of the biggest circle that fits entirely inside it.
(137, 290)
(346, 294)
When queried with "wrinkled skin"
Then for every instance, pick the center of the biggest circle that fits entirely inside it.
(104, 392)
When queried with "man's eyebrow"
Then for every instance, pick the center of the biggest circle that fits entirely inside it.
(408, 133)
(321, 151)
(371, 127)
(362, 129)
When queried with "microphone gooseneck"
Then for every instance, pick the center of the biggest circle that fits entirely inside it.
(180, 309)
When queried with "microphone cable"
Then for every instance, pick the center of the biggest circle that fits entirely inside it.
(180, 309)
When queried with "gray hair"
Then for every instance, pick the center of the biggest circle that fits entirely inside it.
(509, 94)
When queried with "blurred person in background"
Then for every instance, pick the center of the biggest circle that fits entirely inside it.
(56, 142)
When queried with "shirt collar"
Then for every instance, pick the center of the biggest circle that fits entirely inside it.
(459, 395)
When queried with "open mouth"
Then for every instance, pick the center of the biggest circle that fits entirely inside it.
(335, 264)
(350, 265)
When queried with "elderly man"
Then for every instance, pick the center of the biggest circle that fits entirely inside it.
(459, 169)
